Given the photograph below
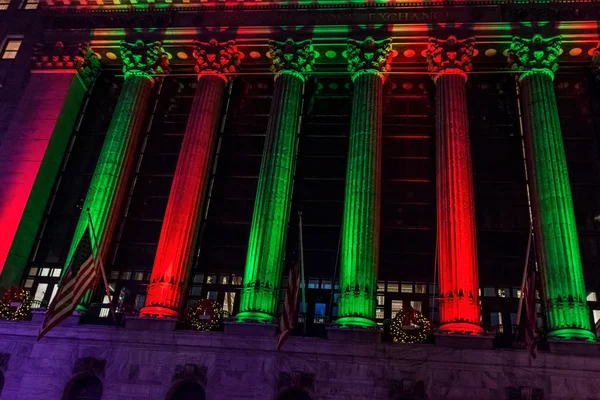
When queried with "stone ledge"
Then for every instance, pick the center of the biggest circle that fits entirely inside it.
(464, 341)
(355, 335)
(151, 324)
(574, 347)
(249, 329)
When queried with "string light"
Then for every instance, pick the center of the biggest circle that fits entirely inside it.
(410, 326)
(205, 315)
(15, 295)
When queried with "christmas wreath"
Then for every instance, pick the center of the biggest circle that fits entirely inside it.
(15, 304)
(410, 326)
(204, 315)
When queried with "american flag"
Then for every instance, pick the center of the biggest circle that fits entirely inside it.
(81, 275)
(531, 337)
(290, 312)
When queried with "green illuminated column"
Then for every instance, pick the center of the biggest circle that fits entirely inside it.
(554, 219)
(107, 189)
(360, 228)
(266, 247)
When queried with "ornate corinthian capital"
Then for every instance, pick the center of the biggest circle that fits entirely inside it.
(144, 59)
(216, 58)
(87, 63)
(369, 55)
(450, 56)
(535, 54)
(292, 56)
(80, 57)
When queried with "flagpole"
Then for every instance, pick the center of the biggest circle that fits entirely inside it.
(524, 279)
(98, 258)
(302, 269)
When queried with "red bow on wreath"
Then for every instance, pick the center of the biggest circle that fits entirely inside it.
(409, 316)
(11, 294)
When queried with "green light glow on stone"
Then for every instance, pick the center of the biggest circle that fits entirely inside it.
(554, 218)
(266, 247)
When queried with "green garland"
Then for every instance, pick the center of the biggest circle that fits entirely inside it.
(204, 315)
(420, 324)
(15, 314)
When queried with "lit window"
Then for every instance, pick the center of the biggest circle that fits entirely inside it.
(592, 296)
(29, 283)
(313, 283)
(596, 315)
(417, 305)
(126, 275)
(40, 292)
(224, 280)
(396, 307)
(228, 302)
(30, 4)
(45, 272)
(56, 272)
(54, 290)
(381, 286)
(236, 280)
(502, 292)
(326, 284)
(406, 288)
(33, 272)
(496, 318)
(380, 300)
(420, 288)
(380, 313)
(104, 312)
(138, 276)
(392, 287)
(11, 49)
(4, 4)
(319, 313)
(212, 295)
(211, 279)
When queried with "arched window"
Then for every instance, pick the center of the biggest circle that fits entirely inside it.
(84, 387)
(295, 394)
(187, 390)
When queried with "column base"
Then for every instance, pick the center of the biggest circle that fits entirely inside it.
(250, 329)
(464, 341)
(461, 328)
(254, 316)
(151, 324)
(351, 321)
(355, 335)
(572, 333)
(158, 312)
(574, 346)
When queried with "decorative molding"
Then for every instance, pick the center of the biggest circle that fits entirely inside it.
(87, 63)
(89, 366)
(216, 58)
(191, 372)
(141, 59)
(450, 56)
(535, 54)
(369, 55)
(4, 359)
(292, 56)
(296, 380)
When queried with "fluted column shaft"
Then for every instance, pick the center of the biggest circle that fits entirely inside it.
(459, 284)
(360, 228)
(180, 225)
(107, 188)
(266, 247)
(554, 218)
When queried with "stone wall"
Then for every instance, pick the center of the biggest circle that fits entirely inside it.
(145, 364)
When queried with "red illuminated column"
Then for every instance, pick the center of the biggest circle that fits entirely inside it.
(180, 225)
(449, 59)
(34, 145)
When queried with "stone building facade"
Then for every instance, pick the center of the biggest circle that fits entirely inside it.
(424, 163)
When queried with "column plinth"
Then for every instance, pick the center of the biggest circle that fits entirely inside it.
(450, 59)
(359, 252)
(266, 247)
(555, 230)
(180, 226)
(108, 185)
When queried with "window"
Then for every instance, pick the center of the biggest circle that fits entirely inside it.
(592, 296)
(319, 313)
(496, 319)
(396, 307)
(420, 288)
(228, 302)
(30, 4)
(392, 287)
(40, 292)
(503, 292)
(381, 286)
(596, 315)
(406, 288)
(313, 283)
(380, 313)
(11, 48)
(4, 4)
(380, 300)
(489, 292)
(84, 388)
(417, 305)
(212, 295)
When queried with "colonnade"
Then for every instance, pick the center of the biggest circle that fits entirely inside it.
(449, 61)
